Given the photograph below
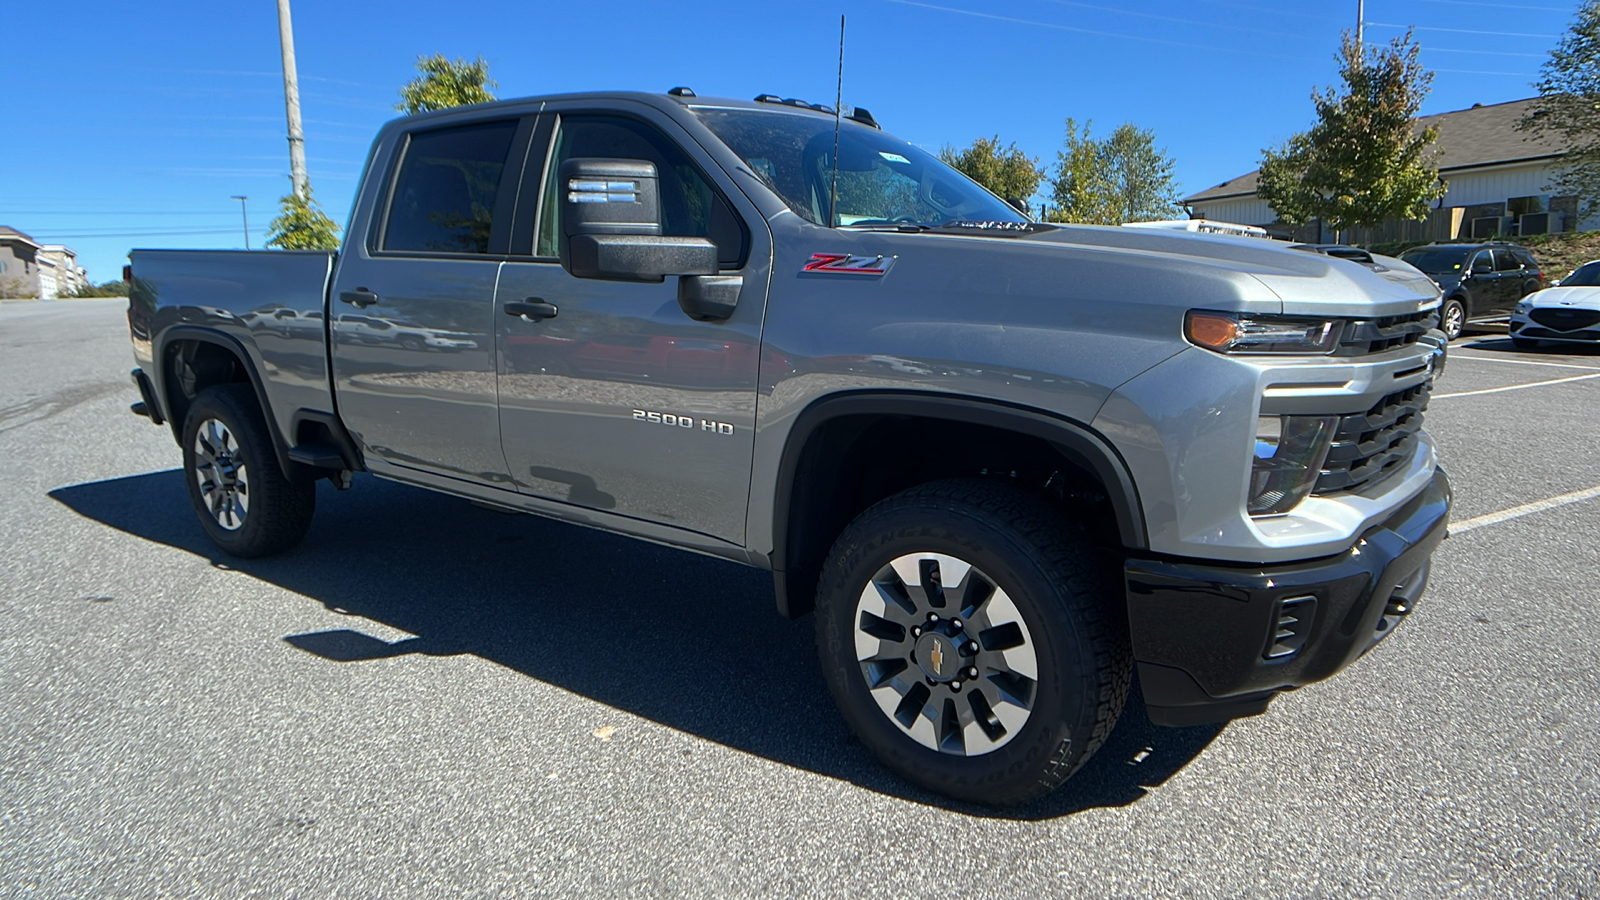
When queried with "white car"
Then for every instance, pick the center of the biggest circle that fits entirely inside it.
(1569, 312)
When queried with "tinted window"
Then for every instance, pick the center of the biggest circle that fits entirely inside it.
(1437, 260)
(1587, 275)
(1483, 262)
(1506, 261)
(690, 207)
(1526, 259)
(444, 197)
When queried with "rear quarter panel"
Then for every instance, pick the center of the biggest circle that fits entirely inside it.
(266, 305)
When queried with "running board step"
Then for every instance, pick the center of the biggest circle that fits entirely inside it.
(321, 456)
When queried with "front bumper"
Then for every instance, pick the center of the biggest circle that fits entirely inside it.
(1216, 642)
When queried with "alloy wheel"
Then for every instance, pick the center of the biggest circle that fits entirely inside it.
(222, 474)
(946, 654)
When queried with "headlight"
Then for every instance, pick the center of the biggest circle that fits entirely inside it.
(1524, 305)
(1290, 451)
(1227, 332)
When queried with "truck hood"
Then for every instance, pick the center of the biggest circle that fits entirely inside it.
(1304, 280)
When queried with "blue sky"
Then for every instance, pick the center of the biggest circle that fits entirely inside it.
(131, 125)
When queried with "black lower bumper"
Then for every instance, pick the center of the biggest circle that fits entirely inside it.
(1219, 642)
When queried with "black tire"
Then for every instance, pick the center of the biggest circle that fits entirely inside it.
(1065, 599)
(1452, 318)
(1522, 343)
(260, 514)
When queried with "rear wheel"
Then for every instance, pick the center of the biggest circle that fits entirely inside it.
(1452, 318)
(244, 501)
(973, 645)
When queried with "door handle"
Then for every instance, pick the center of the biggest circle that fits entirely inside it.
(360, 298)
(531, 308)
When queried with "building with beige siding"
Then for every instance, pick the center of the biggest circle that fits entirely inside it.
(31, 269)
(1497, 182)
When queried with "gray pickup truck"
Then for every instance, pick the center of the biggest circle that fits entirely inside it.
(1007, 464)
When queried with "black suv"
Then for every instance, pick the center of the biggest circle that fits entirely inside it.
(1480, 281)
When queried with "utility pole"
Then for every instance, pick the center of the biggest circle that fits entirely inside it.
(291, 101)
(1361, 20)
(245, 213)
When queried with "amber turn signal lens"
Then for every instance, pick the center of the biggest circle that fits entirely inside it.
(1213, 332)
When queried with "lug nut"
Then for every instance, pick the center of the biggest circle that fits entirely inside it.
(956, 623)
(916, 631)
(971, 649)
(972, 672)
(955, 686)
(933, 617)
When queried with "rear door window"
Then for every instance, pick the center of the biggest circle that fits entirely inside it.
(1506, 261)
(447, 193)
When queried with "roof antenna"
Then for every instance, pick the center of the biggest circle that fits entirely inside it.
(838, 106)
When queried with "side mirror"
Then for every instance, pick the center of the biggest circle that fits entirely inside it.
(611, 225)
(1018, 204)
(1480, 266)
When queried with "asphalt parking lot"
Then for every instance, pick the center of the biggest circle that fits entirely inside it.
(428, 698)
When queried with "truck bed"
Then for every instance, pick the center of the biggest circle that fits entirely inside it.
(270, 306)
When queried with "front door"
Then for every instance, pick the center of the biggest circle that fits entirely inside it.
(621, 402)
(413, 313)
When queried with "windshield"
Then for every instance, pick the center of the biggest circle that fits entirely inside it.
(1586, 275)
(1437, 260)
(883, 181)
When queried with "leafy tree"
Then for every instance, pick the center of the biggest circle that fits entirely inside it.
(1122, 178)
(1569, 106)
(118, 288)
(1008, 173)
(444, 84)
(302, 225)
(1363, 163)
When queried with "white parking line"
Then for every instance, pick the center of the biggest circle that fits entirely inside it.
(1523, 510)
(1521, 362)
(1515, 387)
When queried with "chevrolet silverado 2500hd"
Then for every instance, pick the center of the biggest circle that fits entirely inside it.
(1006, 463)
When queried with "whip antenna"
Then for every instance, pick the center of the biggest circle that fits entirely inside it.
(838, 109)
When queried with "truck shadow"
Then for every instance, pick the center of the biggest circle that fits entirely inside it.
(690, 642)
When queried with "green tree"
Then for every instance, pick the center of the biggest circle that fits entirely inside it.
(1364, 162)
(1123, 178)
(302, 225)
(118, 288)
(444, 84)
(1569, 106)
(1008, 173)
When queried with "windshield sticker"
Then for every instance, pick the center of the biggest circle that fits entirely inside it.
(894, 157)
(845, 264)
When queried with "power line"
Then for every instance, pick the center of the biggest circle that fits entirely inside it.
(1516, 6)
(1465, 31)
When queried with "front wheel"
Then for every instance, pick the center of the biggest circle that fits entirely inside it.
(1452, 318)
(245, 503)
(973, 645)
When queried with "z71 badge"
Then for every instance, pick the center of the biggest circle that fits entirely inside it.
(845, 264)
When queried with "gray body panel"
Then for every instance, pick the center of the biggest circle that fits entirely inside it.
(268, 306)
(1082, 325)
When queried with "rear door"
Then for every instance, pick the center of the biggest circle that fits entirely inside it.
(413, 304)
(621, 402)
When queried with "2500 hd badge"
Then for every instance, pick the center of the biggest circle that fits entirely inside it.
(681, 421)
